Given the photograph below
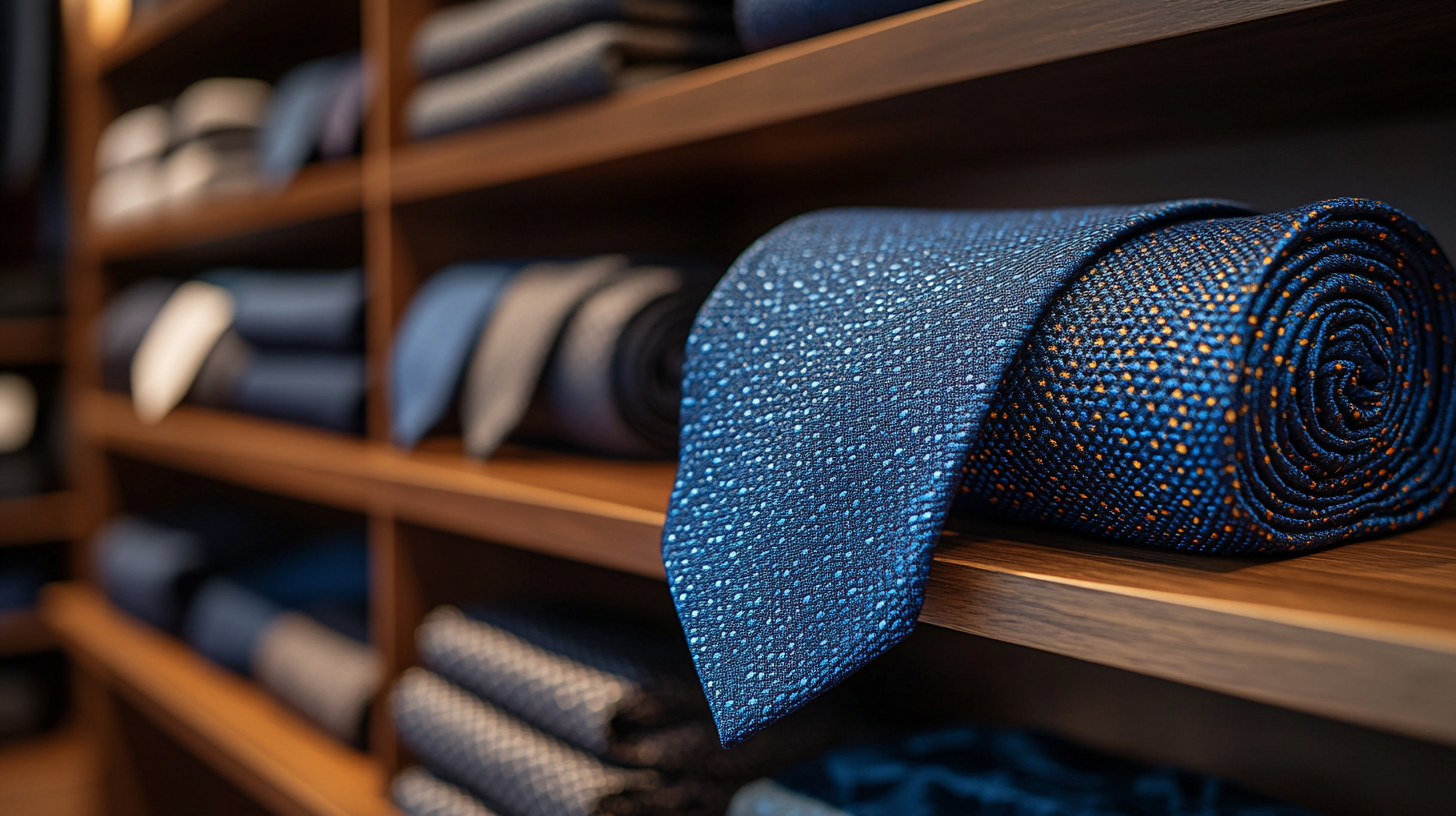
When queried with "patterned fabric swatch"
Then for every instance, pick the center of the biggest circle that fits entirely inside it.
(1182, 375)
(418, 792)
(624, 694)
(971, 770)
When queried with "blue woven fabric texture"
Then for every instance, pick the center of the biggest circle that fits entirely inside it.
(767, 23)
(468, 34)
(971, 770)
(580, 64)
(1190, 377)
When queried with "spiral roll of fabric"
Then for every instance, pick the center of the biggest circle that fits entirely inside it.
(1183, 375)
(418, 792)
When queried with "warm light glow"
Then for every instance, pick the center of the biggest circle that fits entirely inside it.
(106, 20)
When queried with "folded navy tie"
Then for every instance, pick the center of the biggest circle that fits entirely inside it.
(1189, 376)
(587, 62)
(467, 34)
(984, 770)
(433, 344)
(767, 23)
(297, 310)
(318, 389)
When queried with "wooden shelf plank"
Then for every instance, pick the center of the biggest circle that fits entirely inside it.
(38, 519)
(940, 45)
(31, 340)
(23, 632)
(1364, 633)
(320, 192)
(262, 747)
(600, 512)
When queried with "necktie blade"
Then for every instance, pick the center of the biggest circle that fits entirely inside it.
(838, 381)
(175, 347)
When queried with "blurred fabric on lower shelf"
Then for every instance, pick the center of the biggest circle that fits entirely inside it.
(976, 770)
(290, 613)
(545, 712)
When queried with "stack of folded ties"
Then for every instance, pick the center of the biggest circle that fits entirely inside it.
(227, 135)
(283, 345)
(29, 424)
(488, 60)
(975, 770)
(292, 617)
(584, 352)
(540, 713)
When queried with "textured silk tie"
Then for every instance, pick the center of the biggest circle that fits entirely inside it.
(1188, 377)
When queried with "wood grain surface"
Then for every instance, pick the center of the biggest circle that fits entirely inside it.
(38, 519)
(259, 745)
(1364, 633)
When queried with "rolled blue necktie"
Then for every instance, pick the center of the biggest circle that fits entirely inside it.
(1188, 376)
(767, 23)
(433, 344)
(296, 310)
(297, 114)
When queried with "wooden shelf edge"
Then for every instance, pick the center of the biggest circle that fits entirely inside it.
(32, 340)
(370, 477)
(1222, 624)
(22, 632)
(38, 519)
(269, 752)
(320, 192)
(940, 45)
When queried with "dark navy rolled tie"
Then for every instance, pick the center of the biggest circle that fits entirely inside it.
(296, 310)
(1184, 375)
(767, 23)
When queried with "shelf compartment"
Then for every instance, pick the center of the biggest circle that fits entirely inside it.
(22, 633)
(601, 512)
(266, 750)
(945, 44)
(38, 519)
(31, 340)
(1364, 633)
(321, 192)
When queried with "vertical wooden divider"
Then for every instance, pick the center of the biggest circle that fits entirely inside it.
(395, 608)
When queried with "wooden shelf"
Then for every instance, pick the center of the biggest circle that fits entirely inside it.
(31, 340)
(320, 192)
(949, 43)
(1364, 633)
(55, 774)
(601, 512)
(23, 633)
(283, 762)
(38, 519)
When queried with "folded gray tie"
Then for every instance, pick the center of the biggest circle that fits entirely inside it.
(516, 344)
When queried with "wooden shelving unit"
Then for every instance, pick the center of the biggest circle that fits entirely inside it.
(38, 519)
(263, 748)
(704, 162)
(31, 340)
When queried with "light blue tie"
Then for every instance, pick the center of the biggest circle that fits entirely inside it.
(1188, 377)
(433, 344)
(297, 113)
